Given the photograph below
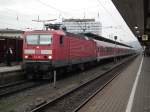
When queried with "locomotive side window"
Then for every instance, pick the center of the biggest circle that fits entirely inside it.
(61, 39)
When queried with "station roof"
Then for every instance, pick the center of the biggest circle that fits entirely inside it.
(136, 13)
(97, 37)
(10, 31)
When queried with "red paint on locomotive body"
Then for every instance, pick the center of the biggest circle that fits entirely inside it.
(63, 49)
(55, 48)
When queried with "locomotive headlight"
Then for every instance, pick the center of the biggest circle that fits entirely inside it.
(26, 57)
(49, 57)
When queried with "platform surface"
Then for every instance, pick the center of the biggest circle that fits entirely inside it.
(10, 68)
(117, 95)
(141, 101)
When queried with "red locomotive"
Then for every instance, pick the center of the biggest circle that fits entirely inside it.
(44, 50)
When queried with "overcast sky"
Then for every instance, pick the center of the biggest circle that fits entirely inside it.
(19, 14)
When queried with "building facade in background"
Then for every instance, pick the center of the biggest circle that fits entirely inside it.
(83, 25)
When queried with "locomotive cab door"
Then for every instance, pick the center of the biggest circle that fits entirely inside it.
(61, 51)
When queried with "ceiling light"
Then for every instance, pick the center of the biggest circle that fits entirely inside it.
(136, 27)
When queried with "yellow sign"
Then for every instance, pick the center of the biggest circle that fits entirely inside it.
(144, 37)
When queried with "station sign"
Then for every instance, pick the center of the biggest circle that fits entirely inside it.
(115, 37)
(144, 37)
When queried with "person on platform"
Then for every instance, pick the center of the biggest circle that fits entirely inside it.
(9, 54)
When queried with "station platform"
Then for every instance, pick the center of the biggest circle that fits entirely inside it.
(129, 92)
(12, 68)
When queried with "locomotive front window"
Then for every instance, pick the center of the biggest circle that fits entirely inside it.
(45, 39)
(32, 39)
(39, 39)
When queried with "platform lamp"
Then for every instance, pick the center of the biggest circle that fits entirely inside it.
(115, 38)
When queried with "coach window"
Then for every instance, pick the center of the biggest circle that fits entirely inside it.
(61, 39)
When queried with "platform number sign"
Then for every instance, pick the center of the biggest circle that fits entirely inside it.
(144, 37)
(115, 37)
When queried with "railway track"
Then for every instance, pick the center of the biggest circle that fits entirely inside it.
(16, 87)
(76, 98)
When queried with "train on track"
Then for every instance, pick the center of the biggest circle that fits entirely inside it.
(46, 50)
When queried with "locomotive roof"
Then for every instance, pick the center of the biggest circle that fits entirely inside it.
(82, 35)
(45, 31)
(97, 37)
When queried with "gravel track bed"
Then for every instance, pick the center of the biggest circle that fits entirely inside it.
(24, 101)
(13, 88)
(18, 87)
(73, 100)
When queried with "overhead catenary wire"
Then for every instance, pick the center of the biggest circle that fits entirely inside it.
(60, 11)
(47, 6)
(38, 12)
(50, 6)
(11, 25)
(114, 20)
(36, 9)
(17, 16)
